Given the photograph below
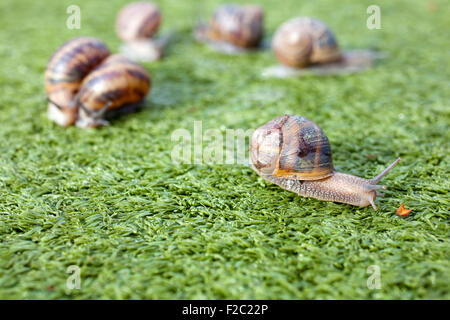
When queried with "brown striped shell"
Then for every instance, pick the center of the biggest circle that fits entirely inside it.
(67, 68)
(238, 25)
(137, 21)
(115, 83)
(302, 41)
(291, 147)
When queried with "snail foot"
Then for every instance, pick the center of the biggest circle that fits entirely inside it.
(351, 62)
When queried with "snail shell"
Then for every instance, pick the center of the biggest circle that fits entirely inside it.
(116, 83)
(137, 21)
(238, 25)
(65, 71)
(291, 147)
(302, 41)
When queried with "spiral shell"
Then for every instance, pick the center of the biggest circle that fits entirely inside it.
(116, 83)
(137, 21)
(291, 147)
(67, 68)
(238, 25)
(302, 41)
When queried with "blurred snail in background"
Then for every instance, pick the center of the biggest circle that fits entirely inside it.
(117, 86)
(303, 41)
(85, 85)
(233, 28)
(136, 25)
(294, 153)
(65, 71)
(138, 20)
(306, 45)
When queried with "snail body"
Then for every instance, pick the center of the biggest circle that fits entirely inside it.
(303, 41)
(136, 25)
(294, 153)
(115, 84)
(65, 72)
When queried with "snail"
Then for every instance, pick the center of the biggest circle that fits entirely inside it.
(138, 20)
(233, 28)
(116, 86)
(136, 25)
(65, 71)
(307, 45)
(303, 41)
(294, 153)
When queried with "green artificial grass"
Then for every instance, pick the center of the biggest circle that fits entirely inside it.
(112, 201)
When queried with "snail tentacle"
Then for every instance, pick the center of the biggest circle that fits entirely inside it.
(385, 171)
(372, 203)
(375, 187)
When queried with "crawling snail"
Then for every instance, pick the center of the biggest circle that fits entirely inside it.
(307, 45)
(294, 153)
(116, 86)
(136, 25)
(65, 71)
(233, 28)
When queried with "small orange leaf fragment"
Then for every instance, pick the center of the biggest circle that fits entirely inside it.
(402, 211)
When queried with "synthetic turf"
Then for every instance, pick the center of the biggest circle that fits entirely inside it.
(112, 201)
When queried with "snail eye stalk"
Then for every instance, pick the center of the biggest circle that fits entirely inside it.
(375, 187)
(375, 180)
